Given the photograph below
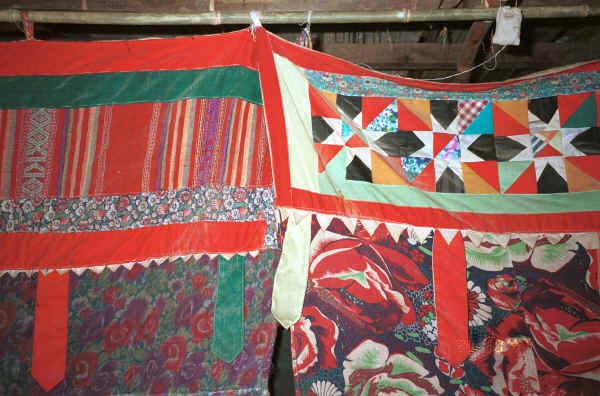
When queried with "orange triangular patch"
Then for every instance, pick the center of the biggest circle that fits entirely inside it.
(510, 117)
(481, 177)
(414, 115)
(426, 179)
(441, 140)
(525, 184)
(588, 165)
(319, 106)
(356, 142)
(569, 104)
(383, 172)
(325, 153)
(578, 179)
(372, 107)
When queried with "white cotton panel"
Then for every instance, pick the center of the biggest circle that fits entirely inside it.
(296, 105)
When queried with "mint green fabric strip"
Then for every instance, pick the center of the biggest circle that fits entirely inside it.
(97, 89)
(228, 319)
(478, 203)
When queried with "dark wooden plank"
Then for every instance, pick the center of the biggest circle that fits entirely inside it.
(437, 56)
(470, 48)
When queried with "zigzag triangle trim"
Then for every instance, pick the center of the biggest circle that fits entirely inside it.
(129, 265)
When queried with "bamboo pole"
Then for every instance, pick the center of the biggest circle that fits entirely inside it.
(294, 17)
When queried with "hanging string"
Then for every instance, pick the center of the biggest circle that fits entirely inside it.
(27, 25)
(485, 62)
(495, 59)
(304, 39)
(255, 22)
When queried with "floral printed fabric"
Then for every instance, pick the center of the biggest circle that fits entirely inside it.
(542, 334)
(346, 84)
(369, 325)
(143, 331)
(107, 213)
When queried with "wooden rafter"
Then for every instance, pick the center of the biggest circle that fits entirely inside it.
(470, 48)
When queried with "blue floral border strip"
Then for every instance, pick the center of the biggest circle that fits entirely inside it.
(131, 211)
(352, 85)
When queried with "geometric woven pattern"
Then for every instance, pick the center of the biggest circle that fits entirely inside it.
(537, 146)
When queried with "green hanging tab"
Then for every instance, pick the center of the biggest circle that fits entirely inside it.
(228, 319)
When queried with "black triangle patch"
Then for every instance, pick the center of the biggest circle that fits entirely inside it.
(484, 147)
(321, 129)
(444, 111)
(400, 144)
(507, 148)
(551, 182)
(350, 105)
(543, 108)
(588, 142)
(357, 170)
(449, 182)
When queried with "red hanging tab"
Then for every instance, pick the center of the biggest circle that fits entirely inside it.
(49, 358)
(451, 305)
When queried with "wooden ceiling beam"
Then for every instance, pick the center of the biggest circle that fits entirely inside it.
(155, 6)
(470, 47)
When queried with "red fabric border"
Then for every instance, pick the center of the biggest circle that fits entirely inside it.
(310, 59)
(32, 57)
(32, 251)
(50, 331)
(438, 218)
(273, 107)
(450, 293)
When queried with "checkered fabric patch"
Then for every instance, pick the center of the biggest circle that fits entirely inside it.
(468, 111)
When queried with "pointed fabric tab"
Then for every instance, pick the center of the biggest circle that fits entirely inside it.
(419, 234)
(291, 276)
(395, 230)
(451, 304)
(448, 234)
(501, 239)
(474, 236)
(370, 225)
(228, 318)
(79, 270)
(299, 215)
(588, 240)
(529, 239)
(350, 223)
(554, 238)
(324, 220)
(49, 359)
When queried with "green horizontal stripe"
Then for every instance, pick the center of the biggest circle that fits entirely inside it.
(476, 203)
(83, 90)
